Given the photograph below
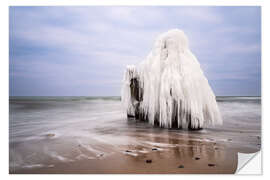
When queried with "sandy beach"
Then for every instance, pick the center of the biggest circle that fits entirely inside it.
(77, 145)
(177, 157)
(174, 154)
(175, 160)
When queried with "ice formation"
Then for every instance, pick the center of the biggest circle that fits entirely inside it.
(169, 88)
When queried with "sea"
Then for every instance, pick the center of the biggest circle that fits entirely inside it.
(44, 131)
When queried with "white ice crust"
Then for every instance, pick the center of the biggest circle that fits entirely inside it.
(170, 77)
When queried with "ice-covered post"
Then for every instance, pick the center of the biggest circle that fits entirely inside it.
(168, 88)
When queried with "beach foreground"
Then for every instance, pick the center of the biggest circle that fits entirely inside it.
(184, 156)
(93, 135)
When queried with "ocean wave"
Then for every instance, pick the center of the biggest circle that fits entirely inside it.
(62, 98)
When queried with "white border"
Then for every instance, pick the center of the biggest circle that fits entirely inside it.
(139, 2)
(4, 76)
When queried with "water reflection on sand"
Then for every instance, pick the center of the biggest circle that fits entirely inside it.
(94, 136)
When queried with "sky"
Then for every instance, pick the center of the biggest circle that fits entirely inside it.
(83, 51)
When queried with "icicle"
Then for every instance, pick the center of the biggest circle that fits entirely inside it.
(169, 88)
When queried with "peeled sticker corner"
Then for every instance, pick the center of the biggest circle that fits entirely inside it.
(249, 163)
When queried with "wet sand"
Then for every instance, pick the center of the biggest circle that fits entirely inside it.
(164, 156)
(77, 135)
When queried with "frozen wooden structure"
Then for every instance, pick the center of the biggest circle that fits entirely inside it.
(168, 88)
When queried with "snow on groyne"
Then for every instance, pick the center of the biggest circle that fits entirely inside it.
(169, 88)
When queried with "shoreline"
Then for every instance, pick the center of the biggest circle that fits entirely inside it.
(193, 157)
(93, 136)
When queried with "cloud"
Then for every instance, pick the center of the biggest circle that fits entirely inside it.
(90, 46)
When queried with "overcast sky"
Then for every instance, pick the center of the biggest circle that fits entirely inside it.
(65, 51)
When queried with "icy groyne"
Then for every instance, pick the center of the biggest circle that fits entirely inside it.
(169, 88)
